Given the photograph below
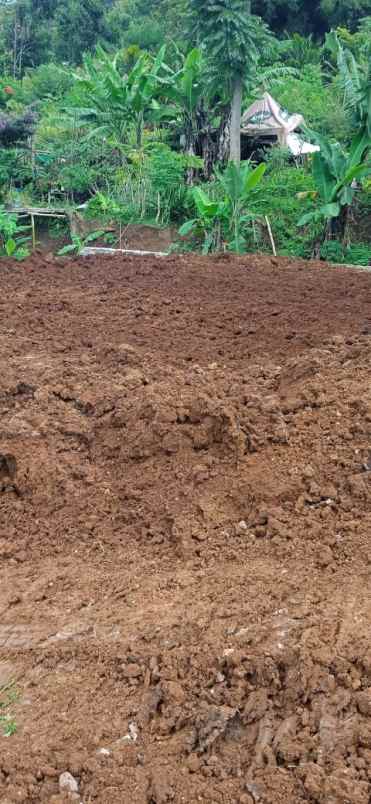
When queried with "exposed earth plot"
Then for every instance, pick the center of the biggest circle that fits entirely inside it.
(185, 531)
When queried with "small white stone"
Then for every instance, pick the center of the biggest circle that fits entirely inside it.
(133, 731)
(131, 736)
(68, 783)
(242, 631)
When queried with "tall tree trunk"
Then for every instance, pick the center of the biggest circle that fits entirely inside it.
(190, 139)
(15, 45)
(190, 151)
(223, 143)
(205, 142)
(235, 147)
(336, 227)
(139, 131)
(208, 155)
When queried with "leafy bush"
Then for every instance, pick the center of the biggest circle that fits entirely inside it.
(335, 174)
(358, 254)
(69, 167)
(317, 100)
(15, 169)
(150, 186)
(10, 91)
(79, 243)
(146, 35)
(277, 198)
(224, 221)
(355, 254)
(166, 172)
(12, 240)
(47, 81)
(299, 51)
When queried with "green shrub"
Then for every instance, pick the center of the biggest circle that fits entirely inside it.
(15, 169)
(46, 81)
(299, 51)
(13, 242)
(358, 254)
(317, 100)
(166, 172)
(150, 186)
(355, 254)
(224, 221)
(10, 91)
(277, 198)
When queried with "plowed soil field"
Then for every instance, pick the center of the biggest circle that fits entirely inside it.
(185, 549)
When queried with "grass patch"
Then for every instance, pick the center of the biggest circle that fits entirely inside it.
(8, 696)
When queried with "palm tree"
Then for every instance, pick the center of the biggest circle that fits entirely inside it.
(228, 32)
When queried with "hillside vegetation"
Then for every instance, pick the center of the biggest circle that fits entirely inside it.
(131, 109)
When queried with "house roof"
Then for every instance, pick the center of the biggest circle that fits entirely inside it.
(265, 117)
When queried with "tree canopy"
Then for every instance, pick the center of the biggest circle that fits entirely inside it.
(33, 32)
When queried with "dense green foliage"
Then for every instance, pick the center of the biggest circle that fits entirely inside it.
(132, 108)
(35, 32)
(13, 241)
(223, 220)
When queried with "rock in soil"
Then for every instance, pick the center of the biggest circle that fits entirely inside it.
(68, 783)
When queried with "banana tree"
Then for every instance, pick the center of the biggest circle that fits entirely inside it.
(355, 81)
(111, 102)
(182, 92)
(335, 175)
(227, 217)
(208, 222)
(237, 183)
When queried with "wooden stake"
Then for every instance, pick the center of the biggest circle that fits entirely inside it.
(271, 236)
(33, 232)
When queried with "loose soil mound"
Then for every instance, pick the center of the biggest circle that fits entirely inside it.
(185, 602)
